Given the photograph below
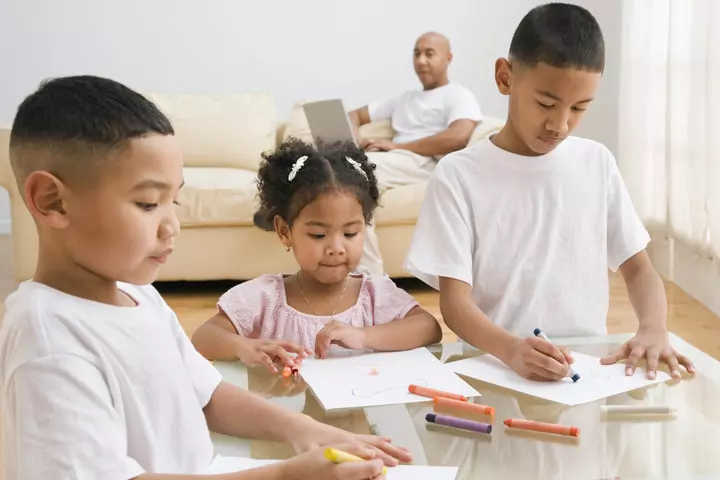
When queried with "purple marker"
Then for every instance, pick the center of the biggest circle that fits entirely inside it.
(458, 423)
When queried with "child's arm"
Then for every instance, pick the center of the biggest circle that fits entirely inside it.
(218, 339)
(647, 295)
(531, 357)
(237, 412)
(312, 464)
(417, 329)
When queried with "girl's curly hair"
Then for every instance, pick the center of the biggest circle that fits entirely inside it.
(326, 169)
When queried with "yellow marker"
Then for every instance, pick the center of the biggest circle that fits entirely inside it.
(338, 456)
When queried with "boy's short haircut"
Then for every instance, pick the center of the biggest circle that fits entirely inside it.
(561, 35)
(69, 120)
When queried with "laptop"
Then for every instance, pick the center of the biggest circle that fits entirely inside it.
(329, 122)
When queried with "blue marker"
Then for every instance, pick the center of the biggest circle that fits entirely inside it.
(539, 333)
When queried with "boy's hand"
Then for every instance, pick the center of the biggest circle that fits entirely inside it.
(309, 434)
(268, 352)
(536, 359)
(340, 334)
(313, 464)
(651, 343)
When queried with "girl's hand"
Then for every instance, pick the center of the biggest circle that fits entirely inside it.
(338, 333)
(269, 352)
(313, 464)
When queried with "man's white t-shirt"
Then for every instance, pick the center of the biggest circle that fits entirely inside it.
(533, 236)
(92, 391)
(418, 114)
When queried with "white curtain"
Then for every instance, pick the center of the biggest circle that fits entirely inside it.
(669, 149)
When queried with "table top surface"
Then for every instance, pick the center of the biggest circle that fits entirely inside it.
(685, 445)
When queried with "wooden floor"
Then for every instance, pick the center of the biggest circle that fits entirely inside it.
(194, 303)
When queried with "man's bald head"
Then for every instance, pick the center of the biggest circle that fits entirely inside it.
(431, 59)
(436, 39)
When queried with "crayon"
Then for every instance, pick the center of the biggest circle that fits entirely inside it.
(432, 393)
(338, 456)
(476, 408)
(542, 427)
(458, 423)
(539, 333)
(639, 409)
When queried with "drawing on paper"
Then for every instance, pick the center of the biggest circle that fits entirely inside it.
(371, 391)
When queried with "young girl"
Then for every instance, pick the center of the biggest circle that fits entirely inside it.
(320, 201)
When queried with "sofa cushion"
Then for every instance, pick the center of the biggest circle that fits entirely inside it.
(400, 205)
(217, 197)
(221, 130)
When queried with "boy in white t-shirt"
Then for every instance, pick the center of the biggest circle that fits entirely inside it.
(98, 379)
(518, 231)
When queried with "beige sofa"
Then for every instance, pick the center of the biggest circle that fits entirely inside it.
(222, 139)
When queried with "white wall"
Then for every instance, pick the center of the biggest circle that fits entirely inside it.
(293, 49)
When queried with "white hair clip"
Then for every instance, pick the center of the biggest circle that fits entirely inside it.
(356, 166)
(296, 167)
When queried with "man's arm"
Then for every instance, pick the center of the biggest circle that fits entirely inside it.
(358, 118)
(452, 139)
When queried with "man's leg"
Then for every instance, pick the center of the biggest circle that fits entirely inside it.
(393, 169)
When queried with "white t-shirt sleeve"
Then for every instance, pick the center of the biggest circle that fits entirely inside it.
(60, 422)
(626, 234)
(384, 109)
(463, 105)
(204, 376)
(442, 244)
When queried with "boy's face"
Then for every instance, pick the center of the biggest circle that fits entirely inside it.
(121, 226)
(546, 103)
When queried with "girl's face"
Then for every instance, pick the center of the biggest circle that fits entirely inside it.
(327, 236)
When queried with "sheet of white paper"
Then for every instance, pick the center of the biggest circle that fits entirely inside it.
(401, 472)
(596, 381)
(371, 379)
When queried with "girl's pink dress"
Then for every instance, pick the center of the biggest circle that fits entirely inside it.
(258, 308)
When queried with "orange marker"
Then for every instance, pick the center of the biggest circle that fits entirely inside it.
(448, 403)
(432, 393)
(542, 427)
(286, 372)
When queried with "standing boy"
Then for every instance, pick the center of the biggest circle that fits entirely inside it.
(519, 231)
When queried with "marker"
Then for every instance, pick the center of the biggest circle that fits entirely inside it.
(476, 408)
(286, 372)
(639, 409)
(338, 456)
(542, 427)
(432, 393)
(458, 423)
(539, 333)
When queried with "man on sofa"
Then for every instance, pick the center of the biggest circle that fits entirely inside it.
(429, 123)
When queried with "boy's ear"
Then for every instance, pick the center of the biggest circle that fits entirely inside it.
(45, 197)
(282, 229)
(503, 75)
